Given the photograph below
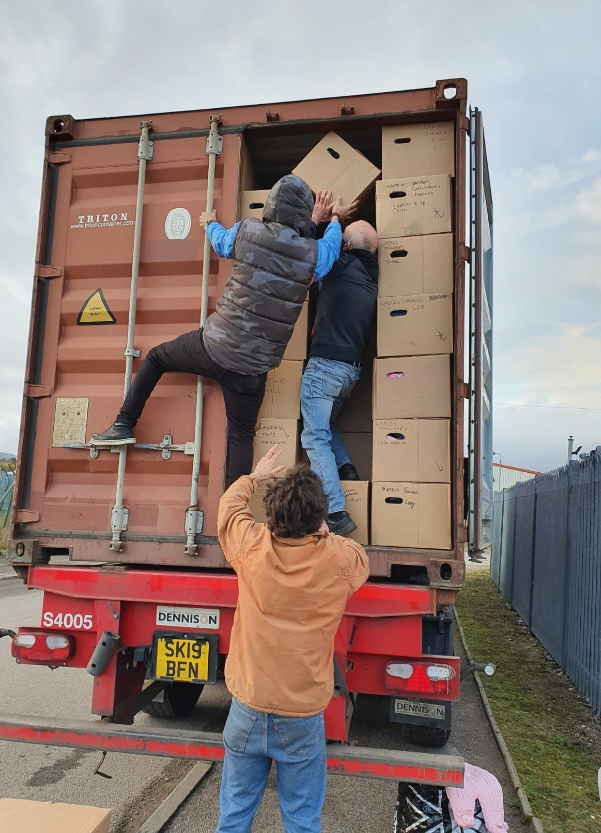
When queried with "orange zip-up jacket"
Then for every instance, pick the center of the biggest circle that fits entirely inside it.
(291, 596)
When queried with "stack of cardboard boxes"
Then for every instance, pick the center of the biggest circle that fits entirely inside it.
(331, 165)
(396, 426)
(411, 474)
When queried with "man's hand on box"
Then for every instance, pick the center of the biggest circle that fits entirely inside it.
(266, 468)
(343, 211)
(323, 209)
(206, 218)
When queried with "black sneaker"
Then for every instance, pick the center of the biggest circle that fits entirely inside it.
(115, 435)
(348, 472)
(341, 523)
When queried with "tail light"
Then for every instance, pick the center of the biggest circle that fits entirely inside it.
(419, 677)
(42, 647)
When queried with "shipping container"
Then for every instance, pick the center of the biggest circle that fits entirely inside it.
(116, 188)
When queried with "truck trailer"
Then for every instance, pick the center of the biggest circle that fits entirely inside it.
(123, 264)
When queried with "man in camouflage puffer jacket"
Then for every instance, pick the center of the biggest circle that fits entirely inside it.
(274, 263)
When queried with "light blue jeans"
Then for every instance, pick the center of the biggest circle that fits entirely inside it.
(326, 384)
(298, 747)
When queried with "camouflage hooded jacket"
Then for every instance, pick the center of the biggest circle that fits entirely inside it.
(274, 262)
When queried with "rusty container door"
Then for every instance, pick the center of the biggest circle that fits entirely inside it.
(75, 369)
(79, 335)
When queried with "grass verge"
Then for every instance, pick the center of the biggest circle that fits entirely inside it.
(553, 735)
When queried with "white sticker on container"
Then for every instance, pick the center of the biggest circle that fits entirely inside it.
(178, 224)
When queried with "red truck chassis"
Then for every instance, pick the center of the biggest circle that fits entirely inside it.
(380, 633)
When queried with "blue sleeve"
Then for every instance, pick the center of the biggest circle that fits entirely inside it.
(328, 250)
(222, 240)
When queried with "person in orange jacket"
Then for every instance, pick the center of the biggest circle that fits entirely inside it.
(294, 580)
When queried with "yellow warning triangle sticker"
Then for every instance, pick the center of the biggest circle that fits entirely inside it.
(96, 310)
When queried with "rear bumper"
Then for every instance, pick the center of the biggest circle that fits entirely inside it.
(364, 762)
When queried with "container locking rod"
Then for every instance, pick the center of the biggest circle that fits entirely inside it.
(119, 514)
(194, 517)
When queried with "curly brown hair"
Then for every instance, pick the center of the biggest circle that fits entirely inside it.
(295, 504)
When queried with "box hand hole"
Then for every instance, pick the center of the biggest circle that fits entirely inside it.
(396, 195)
(257, 205)
(395, 437)
(396, 313)
(399, 253)
(402, 141)
(396, 500)
(397, 374)
(334, 153)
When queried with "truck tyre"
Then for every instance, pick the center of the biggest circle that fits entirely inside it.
(429, 735)
(178, 700)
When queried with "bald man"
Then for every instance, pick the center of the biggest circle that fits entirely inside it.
(346, 311)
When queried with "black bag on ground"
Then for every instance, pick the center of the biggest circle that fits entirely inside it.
(423, 808)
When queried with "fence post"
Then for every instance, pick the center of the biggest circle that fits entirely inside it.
(533, 560)
(500, 562)
(567, 570)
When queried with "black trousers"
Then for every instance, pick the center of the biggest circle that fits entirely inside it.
(243, 395)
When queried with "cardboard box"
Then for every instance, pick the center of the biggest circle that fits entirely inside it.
(282, 432)
(421, 265)
(359, 445)
(252, 204)
(426, 148)
(21, 816)
(411, 515)
(413, 206)
(415, 325)
(412, 449)
(355, 414)
(336, 166)
(356, 496)
(296, 349)
(412, 386)
(282, 391)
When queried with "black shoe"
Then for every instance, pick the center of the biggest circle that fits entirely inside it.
(341, 523)
(115, 435)
(348, 472)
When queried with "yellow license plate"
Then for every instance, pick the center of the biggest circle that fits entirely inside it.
(186, 660)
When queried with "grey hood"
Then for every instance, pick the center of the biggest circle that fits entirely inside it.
(290, 202)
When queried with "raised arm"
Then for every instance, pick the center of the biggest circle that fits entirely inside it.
(328, 248)
(222, 239)
(234, 519)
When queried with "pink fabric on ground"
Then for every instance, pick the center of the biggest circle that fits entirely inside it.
(483, 786)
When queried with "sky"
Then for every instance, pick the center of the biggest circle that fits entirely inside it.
(533, 68)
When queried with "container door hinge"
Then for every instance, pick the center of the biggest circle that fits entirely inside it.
(37, 391)
(464, 252)
(58, 157)
(119, 519)
(269, 116)
(48, 272)
(25, 516)
(463, 390)
(347, 111)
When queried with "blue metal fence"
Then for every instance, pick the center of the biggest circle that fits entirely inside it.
(546, 560)
(7, 480)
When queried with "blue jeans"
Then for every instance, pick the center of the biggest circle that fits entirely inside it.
(326, 384)
(298, 747)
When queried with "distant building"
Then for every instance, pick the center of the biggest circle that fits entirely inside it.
(506, 476)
